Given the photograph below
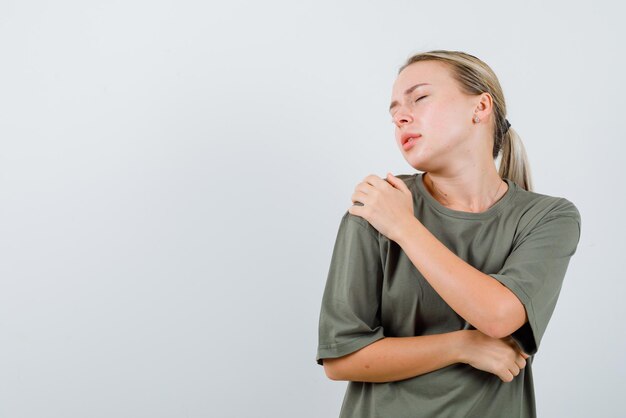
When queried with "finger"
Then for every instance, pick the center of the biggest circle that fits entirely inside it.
(356, 209)
(397, 183)
(375, 181)
(359, 196)
(507, 376)
(364, 188)
(516, 346)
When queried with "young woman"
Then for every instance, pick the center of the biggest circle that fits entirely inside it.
(442, 283)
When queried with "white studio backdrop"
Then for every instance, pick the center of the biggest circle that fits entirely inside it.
(173, 173)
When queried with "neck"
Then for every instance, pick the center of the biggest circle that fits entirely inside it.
(475, 192)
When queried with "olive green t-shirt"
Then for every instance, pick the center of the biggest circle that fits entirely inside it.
(525, 241)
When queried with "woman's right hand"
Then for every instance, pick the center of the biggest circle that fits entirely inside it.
(500, 356)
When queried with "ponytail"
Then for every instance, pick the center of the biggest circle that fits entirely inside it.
(514, 162)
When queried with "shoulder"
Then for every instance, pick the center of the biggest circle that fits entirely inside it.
(359, 225)
(349, 219)
(533, 210)
(543, 205)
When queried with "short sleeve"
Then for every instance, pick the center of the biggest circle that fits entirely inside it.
(350, 317)
(535, 269)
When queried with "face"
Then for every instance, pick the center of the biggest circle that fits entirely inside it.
(437, 113)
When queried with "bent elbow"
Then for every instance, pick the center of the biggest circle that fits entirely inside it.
(493, 330)
(333, 367)
(498, 329)
(496, 325)
(509, 321)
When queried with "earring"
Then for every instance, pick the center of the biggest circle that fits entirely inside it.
(476, 118)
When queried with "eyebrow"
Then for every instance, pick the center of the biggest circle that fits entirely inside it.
(407, 92)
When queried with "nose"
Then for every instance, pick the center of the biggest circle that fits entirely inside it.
(402, 117)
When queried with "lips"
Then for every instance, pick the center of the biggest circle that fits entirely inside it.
(406, 136)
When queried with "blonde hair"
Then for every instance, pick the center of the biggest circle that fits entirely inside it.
(474, 77)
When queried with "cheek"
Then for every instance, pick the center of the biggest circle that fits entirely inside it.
(443, 121)
(436, 119)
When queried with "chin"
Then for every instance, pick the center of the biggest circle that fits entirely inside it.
(421, 161)
(416, 162)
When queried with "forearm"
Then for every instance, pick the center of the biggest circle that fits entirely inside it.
(477, 297)
(397, 358)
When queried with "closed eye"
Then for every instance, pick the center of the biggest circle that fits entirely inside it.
(392, 116)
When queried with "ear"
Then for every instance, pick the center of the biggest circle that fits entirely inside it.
(485, 106)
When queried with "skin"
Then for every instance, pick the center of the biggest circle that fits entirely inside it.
(456, 153)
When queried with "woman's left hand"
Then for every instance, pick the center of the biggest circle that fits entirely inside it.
(387, 204)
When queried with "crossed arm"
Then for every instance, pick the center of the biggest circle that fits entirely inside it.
(479, 298)
(396, 358)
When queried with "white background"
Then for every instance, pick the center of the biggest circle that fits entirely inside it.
(173, 173)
